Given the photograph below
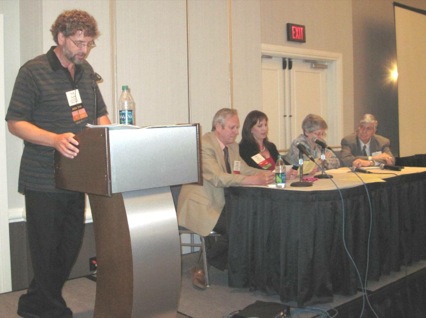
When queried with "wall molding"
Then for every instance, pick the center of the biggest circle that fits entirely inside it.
(18, 215)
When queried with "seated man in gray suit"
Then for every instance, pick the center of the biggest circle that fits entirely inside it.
(364, 148)
(201, 207)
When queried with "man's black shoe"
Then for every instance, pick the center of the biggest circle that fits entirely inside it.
(198, 278)
(25, 314)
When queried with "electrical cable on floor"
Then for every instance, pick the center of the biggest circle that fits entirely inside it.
(365, 298)
(344, 240)
(323, 313)
(231, 314)
(282, 314)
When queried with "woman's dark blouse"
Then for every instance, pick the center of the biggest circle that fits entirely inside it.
(248, 150)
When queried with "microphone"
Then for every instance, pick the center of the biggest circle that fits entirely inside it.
(305, 151)
(320, 143)
(387, 167)
(323, 144)
(95, 77)
(353, 169)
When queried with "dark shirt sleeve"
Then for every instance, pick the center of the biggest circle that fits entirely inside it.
(23, 98)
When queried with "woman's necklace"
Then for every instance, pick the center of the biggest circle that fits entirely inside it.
(263, 149)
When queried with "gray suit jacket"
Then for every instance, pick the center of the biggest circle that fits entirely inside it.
(199, 206)
(351, 148)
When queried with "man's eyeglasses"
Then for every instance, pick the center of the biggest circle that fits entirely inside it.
(82, 44)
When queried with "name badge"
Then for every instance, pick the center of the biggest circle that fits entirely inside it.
(261, 161)
(79, 114)
(237, 167)
(73, 97)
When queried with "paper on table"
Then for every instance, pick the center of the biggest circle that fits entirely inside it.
(113, 126)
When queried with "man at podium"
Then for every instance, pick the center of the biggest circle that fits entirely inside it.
(54, 97)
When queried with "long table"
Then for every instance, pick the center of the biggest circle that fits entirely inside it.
(307, 244)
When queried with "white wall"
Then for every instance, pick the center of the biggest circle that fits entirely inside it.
(10, 149)
(246, 57)
(5, 281)
(10, 10)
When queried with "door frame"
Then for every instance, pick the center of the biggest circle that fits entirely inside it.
(334, 81)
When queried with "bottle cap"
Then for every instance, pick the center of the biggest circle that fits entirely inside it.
(125, 88)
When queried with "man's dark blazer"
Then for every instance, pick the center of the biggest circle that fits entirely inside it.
(351, 148)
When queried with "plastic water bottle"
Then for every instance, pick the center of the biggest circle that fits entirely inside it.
(126, 110)
(280, 173)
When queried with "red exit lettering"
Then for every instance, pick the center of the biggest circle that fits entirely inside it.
(297, 33)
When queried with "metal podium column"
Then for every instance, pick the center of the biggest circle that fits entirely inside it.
(138, 253)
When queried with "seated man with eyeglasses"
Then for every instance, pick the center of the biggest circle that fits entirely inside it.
(364, 148)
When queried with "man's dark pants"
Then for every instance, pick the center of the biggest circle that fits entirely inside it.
(55, 226)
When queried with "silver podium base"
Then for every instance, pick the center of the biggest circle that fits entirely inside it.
(138, 254)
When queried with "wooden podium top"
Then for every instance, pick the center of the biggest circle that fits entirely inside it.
(113, 159)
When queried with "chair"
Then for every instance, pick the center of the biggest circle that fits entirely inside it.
(201, 245)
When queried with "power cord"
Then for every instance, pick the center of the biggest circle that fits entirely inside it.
(323, 313)
(365, 298)
(282, 314)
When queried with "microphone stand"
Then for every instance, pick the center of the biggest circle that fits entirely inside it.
(323, 174)
(301, 183)
(95, 78)
(95, 119)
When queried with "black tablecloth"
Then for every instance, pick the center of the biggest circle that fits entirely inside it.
(412, 161)
(291, 242)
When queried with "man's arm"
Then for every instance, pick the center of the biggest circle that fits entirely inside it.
(261, 178)
(390, 159)
(214, 173)
(104, 120)
(64, 143)
(385, 157)
(255, 176)
(346, 153)
(382, 146)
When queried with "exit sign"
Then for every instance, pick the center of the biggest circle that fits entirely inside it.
(296, 32)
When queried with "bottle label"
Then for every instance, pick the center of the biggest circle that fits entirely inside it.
(126, 117)
(280, 179)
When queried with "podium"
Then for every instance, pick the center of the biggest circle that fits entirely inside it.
(127, 174)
